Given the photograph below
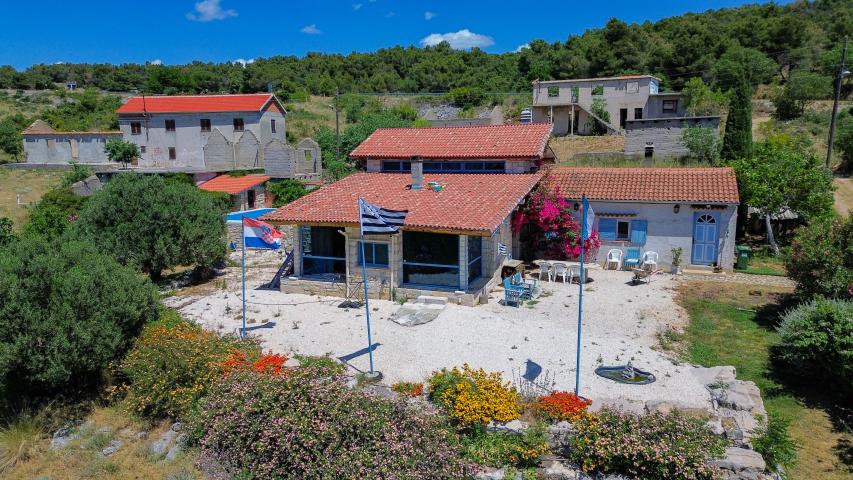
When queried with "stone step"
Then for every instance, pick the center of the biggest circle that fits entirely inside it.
(431, 300)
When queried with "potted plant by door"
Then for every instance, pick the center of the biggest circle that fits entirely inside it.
(676, 261)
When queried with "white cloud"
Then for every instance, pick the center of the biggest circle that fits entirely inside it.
(243, 62)
(311, 29)
(459, 40)
(389, 14)
(156, 61)
(429, 15)
(522, 47)
(208, 10)
(357, 6)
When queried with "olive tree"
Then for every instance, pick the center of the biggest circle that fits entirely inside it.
(154, 224)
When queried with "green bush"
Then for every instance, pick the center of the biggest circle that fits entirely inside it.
(321, 366)
(298, 426)
(6, 234)
(66, 311)
(154, 224)
(817, 340)
(54, 213)
(78, 172)
(467, 97)
(821, 259)
(773, 442)
(171, 366)
(652, 447)
(286, 191)
(500, 449)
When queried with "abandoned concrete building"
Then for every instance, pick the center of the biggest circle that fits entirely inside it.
(43, 144)
(651, 121)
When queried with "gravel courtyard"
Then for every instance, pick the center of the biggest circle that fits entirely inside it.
(620, 324)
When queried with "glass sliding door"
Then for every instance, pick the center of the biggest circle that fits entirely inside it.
(431, 259)
(475, 258)
(323, 251)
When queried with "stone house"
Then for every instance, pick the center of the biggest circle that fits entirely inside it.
(658, 209)
(449, 244)
(43, 144)
(651, 120)
(203, 133)
(519, 148)
(247, 192)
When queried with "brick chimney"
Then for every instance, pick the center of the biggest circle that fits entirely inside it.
(417, 173)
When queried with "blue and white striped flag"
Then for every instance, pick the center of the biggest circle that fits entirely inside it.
(502, 250)
(379, 220)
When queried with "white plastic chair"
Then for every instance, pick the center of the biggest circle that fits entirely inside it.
(545, 268)
(562, 270)
(650, 261)
(614, 256)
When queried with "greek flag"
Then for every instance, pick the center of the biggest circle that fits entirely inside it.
(502, 249)
(379, 220)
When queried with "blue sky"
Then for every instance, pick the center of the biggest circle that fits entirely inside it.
(179, 31)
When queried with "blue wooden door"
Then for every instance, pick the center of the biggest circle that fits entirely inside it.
(705, 234)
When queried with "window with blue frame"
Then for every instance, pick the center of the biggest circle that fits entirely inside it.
(446, 167)
(375, 254)
(623, 230)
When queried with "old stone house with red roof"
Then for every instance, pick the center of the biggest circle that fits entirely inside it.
(215, 133)
(658, 209)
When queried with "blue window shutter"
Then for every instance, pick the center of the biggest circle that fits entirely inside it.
(638, 232)
(607, 228)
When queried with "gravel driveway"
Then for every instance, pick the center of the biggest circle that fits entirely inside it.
(538, 340)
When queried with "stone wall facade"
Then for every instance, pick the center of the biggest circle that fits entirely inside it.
(663, 136)
(67, 147)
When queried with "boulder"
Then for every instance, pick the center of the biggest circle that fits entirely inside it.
(739, 395)
(712, 375)
(177, 448)
(63, 437)
(557, 470)
(739, 426)
(112, 448)
(176, 427)
(665, 407)
(162, 444)
(741, 460)
(292, 363)
(513, 426)
(380, 391)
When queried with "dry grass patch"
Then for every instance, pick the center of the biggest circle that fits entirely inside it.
(566, 147)
(843, 195)
(30, 185)
(82, 459)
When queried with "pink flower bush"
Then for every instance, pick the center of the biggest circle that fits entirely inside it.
(299, 426)
(546, 222)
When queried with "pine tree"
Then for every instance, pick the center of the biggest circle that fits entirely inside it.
(737, 141)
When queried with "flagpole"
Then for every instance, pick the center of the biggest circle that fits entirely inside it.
(243, 233)
(366, 303)
(581, 282)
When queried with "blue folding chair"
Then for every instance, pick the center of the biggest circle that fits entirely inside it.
(632, 258)
(512, 293)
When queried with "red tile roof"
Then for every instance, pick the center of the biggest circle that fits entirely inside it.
(468, 202)
(196, 103)
(492, 141)
(233, 185)
(703, 185)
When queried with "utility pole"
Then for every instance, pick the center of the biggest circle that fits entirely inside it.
(337, 125)
(838, 79)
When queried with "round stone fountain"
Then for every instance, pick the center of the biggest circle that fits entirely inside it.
(626, 374)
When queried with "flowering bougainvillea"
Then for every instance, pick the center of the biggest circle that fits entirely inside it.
(475, 396)
(559, 406)
(546, 222)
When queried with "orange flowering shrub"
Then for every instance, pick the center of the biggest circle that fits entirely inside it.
(272, 363)
(474, 396)
(172, 364)
(559, 406)
(408, 389)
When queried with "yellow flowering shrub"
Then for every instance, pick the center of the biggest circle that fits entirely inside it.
(171, 365)
(474, 396)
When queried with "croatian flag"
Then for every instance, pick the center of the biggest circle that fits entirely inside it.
(257, 234)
